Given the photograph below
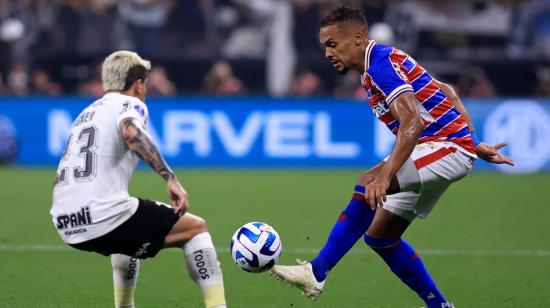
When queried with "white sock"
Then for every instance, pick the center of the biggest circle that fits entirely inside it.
(204, 269)
(125, 274)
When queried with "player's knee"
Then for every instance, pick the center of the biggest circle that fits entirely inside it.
(196, 226)
(369, 175)
(200, 225)
(186, 230)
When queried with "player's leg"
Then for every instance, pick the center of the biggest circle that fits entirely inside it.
(384, 237)
(191, 233)
(434, 167)
(125, 274)
(349, 227)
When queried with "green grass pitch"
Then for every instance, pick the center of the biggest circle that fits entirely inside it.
(487, 242)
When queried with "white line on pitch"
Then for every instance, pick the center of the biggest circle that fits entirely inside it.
(426, 252)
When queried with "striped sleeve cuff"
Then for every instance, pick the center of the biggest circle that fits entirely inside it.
(398, 91)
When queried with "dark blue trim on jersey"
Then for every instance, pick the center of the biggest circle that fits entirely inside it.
(443, 121)
(421, 82)
(393, 125)
(460, 134)
(408, 64)
(436, 99)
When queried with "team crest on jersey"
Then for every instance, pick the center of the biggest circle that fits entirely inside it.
(125, 107)
(140, 110)
(398, 70)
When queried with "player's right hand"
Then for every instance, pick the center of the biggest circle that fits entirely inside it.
(178, 195)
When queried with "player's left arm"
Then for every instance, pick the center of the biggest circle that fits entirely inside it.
(141, 143)
(405, 110)
(485, 151)
(457, 103)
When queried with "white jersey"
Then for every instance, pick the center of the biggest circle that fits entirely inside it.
(90, 197)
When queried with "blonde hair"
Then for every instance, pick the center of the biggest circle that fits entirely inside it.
(115, 69)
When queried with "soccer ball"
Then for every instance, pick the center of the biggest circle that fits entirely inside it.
(256, 247)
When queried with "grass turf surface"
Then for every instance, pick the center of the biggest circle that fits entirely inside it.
(486, 242)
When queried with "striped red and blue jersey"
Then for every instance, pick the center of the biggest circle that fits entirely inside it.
(390, 72)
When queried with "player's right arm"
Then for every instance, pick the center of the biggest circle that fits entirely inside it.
(141, 143)
(484, 150)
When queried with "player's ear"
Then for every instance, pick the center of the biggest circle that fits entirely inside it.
(139, 85)
(359, 38)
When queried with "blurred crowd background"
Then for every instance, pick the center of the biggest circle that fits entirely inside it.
(268, 47)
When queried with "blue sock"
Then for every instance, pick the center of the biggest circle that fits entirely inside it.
(352, 223)
(404, 262)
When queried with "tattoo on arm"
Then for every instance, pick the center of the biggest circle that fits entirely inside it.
(141, 143)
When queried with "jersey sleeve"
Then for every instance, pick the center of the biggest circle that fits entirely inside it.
(133, 109)
(390, 78)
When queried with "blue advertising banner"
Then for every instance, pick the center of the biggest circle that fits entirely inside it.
(266, 132)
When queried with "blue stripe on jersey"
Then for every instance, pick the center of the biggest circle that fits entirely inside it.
(393, 125)
(434, 100)
(461, 133)
(421, 82)
(382, 72)
(436, 126)
(408, 64)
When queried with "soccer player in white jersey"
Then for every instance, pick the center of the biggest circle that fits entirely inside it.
(435, 146)
(92, 209)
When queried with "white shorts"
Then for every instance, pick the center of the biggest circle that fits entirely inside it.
(423, 178)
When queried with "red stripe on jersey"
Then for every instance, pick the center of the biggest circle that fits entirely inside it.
(440, 110)
(432, 157)
(453, 127)
(431, 138)
(427, 91)
(466, 143)
(398, 56)
(426, 123)
(416, 72)
(387, 118)
(377, 98)
(358, 196)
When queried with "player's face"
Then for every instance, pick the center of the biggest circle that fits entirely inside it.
(340, 45)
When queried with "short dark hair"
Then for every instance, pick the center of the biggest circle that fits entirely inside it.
(344, 14)
(135, 73)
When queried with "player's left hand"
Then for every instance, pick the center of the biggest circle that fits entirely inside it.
(490, 153)
(375, 190)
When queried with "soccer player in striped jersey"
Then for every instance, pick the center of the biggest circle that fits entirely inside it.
(435, 146)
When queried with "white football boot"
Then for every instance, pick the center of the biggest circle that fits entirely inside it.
(300, 276)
